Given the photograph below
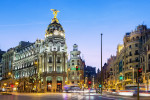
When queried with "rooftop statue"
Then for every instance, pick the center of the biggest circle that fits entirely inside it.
(55, 12)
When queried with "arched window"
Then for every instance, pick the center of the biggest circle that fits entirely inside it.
(133, 39)
(137, 37)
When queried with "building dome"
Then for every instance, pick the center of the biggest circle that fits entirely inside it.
(54, 28)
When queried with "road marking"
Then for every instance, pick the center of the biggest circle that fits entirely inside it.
(107, 98)
(120, 97)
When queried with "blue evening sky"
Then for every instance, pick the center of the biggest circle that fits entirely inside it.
(82, 20)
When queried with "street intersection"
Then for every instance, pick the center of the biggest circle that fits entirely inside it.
(66, 96)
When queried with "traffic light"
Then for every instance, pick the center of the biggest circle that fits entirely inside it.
(121, 78)
(89, 82)
(139, 72)
(100, 85)
(76, 68)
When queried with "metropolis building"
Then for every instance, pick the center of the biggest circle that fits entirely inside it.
(38, 66)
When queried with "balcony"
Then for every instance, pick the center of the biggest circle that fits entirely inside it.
(127, 80)
(130, 54)
(128, 70)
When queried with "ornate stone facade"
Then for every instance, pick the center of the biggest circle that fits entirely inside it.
(75, 67)
(42, 65)
(133, 54)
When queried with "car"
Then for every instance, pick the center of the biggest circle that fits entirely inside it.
(92, 91)
(126, 92)
(72, 89)
(141, 93)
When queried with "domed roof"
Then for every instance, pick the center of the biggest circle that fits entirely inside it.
(54, 26)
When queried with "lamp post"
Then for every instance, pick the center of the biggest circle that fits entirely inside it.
(101, 67)
(133, 75)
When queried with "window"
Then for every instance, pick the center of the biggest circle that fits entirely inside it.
(32, 63)
(72, 55)
(72, 63)
(149, 67)
(133, 38)
(136, 52)
(25, 65)
(148, 47)
(137, 37)
(72, 73)
(58, 59)
(58, 69)
(143, 59)
(78, 63)
(130, 54)
(130, 46)
(58, 48)
(136, 59)
(136, 45)
(110, 69)
(69, 75)
(50, 69)
(50, 59)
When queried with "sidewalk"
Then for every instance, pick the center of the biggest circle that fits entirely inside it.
(17, 93)
(5, 93)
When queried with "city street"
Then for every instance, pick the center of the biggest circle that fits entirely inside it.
(74, 50)
(64, 96)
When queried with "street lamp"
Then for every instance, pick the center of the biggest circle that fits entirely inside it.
(16, 83)
(9, 73)
(101, 67)
(5, 84)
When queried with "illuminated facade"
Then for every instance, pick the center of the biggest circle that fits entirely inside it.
(108, 75)
(145, 57)
(40, 66)
(133, 54)
(1, 64)
(75, 67)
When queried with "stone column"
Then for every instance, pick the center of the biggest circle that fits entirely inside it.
(55, 61)
(54, 84)
(45, 62)
(54, 69)
(45, 84)
(64, 61)
(42, 65)
(63, 82)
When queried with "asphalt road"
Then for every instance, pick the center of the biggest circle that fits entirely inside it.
(64, 96)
